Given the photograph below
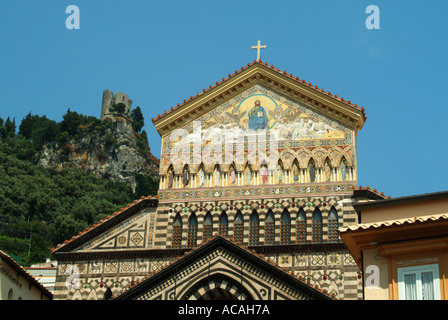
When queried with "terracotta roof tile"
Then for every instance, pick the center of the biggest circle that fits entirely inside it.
(397, 222)
(372, 190)
(13, 264)
(271, 67)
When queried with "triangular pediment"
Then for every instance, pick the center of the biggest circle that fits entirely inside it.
(130, 228)
(130, 234)
(309, 100)
(222, 267)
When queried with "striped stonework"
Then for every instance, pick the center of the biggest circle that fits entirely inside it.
(221, 229)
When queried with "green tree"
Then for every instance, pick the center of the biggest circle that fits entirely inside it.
(146, 186)
(26, 126)
(72, 121)
(137, 119)
(118, 109)
(39, 130)
(41, 207)
(8, 128)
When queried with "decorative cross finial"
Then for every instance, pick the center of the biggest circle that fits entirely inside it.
(258, 47)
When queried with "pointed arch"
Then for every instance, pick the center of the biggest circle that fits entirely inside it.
(108, 294)
(201, 175)
(296, 171)
(238, 227)
(327, 171)
(269, 231)
(233, 175)
(333, 225)
(77, 295)
(223, 224)
(170, 177)
(343, 169)
(312, 170)
(254, 228)
(279, 172)
(285, 232)
(301, 227)
(264, 173)
(176, 240)
(317, 226)
(217, 286)
(208, 227)
(248, 175)
(185, 176)
(192, 231)
(217, 176)
(92, 295)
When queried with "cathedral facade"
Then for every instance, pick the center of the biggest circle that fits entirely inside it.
(257, 174)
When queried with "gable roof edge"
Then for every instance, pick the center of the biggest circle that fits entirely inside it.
(208, 246)
(107, 223)
(221, 87)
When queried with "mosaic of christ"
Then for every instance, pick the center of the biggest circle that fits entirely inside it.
(260, 112)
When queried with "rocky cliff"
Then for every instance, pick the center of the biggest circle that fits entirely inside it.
(110, 149)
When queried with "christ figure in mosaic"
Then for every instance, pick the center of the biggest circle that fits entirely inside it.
(257, 117)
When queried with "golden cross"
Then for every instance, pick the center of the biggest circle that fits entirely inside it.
(258, 47)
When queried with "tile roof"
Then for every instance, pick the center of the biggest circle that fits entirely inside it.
(375, 191)
(272, 67)
(4, 256)
(401, 200)
(397, 222)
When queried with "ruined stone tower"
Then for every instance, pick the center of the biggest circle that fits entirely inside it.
(109, 99)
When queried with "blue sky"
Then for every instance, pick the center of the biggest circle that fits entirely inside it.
(162, 52)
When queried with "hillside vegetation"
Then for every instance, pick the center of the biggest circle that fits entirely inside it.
(42, 206)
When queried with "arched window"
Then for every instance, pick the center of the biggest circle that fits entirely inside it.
(217, 176)
(301, 227)
(328, 171)
(10, 294)
(333, 225)
(254, 229)
(201, 175)
(317, 226)
(208, 227)
(233, 174)
(238, 227)
(170, 178)
(223, 224)
(177, 232)
(279, 172)
(343, 169)
(269, 229)
(192, 231)
(312, 171)
(296, 172)
(108, 294)
(248, 175)
(185, 176)
(285, 233)
(264, 173)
